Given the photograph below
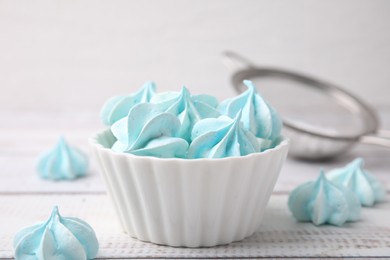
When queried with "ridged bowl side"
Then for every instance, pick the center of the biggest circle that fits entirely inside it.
(191, 203)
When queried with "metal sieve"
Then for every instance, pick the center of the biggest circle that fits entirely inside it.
(312, 140)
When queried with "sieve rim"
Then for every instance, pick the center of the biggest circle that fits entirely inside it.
(364, 112)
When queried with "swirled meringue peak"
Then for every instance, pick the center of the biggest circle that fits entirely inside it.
(119, 106)
(57, 238)
(367, 188)
(149, 131)
(189, 109)
(257, 115)
(222, 137)
(63, 163)
(324, 202)
(205, 99)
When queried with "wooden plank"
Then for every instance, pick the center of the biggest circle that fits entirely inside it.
(279, 236)
(18, 173)
(17, 177)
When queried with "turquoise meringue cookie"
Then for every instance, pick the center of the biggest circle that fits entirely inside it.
(149, 131)
(257, 115)
(164, 147)
(324, 202)
(367, 188)
(57, 238)
(222, 137)
(205, 99)
(189, 109)
(63, 163)
(119, 106)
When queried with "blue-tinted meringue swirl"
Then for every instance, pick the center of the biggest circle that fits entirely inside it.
(257, 115)
(189, 109)
(63, 163)
(222, 137)
(57, 238)
(324, 202)
(119, 106)
(149, 131)
(368, 189)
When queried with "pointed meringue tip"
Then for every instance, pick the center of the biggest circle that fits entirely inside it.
(185, 92)
(150, 85)
(55, 211)
(250, 85)
(61, 141)
(248, 82)
(358, 162)
(322, 175)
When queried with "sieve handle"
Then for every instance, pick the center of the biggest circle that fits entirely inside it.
(381, 138)
(235, 62)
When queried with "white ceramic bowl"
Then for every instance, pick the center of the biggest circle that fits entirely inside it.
(190, 203)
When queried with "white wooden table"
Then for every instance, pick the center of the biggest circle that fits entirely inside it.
(26, 199)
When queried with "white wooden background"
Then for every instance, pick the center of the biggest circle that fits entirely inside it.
(26, 199)
(64, 55)
(60, 60)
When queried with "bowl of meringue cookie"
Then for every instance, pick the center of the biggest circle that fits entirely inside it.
(186, 170)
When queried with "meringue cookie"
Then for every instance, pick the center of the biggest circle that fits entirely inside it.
(170, 97)
(63, 163)
(149, 131)
(324, 202)
(257, 115)
(222, 137)
(205, 99)
(188, 109)
(57, 238)
(119, 106)
(367, 188)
